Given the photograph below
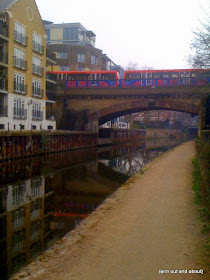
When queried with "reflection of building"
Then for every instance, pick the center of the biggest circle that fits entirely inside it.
(22, 67)
(25, 219)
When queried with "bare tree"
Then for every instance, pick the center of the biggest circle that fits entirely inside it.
(132, 66)
(200, 45)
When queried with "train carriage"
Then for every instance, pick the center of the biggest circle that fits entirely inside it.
(136, 78)
(86, 78)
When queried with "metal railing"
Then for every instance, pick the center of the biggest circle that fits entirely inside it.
(37, 70)
(38, 47)
(4, 30)
(37, 92)
(37, 115)
(20, 88)
(20, 63)
(138, 83)
(50, 116)
(4, 57)
(3, 111)
(3, 83)
(19, 113)
(20, 38)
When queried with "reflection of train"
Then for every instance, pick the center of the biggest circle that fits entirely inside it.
(132, 78)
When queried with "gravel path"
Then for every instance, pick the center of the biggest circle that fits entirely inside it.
(149, 224)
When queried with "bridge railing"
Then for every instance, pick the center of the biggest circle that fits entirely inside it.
(137, 83)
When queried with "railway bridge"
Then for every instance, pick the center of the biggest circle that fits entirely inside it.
(87, 108)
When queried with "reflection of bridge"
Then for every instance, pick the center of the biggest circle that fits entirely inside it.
(87, 108)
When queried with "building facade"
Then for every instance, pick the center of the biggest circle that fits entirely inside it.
(22, 68)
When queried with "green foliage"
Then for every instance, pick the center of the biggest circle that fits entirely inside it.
(196, 181)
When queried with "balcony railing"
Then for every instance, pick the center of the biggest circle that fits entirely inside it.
(20, 38)
(3, 83)
(4, 57)
(37, 70)
(50, 116)
(19, 113)
(3, 111)
(37, 92)
(37, 115)
(38, 47)
(20, 88)
(4, 30)
(20, 63)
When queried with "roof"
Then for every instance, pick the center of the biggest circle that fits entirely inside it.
(5, 4)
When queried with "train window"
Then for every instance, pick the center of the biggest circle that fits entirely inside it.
(194, 75)
(137, 76)
(165, 76)
(156, 76)
(174, 75)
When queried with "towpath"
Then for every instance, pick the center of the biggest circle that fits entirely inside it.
(149, 224)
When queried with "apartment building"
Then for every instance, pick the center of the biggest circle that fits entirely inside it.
(23, 98)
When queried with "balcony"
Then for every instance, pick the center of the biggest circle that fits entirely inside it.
(20, 38)
(38, 47)
(37, 70)
(4, 30)
(19, 114)
(37, 92)
(4, 57)
(3, 83)
(50, 116)
(20, 88)
(20, 63)
(3, 111)
(37, 115)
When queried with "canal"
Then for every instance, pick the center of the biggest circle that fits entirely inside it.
(44, 197)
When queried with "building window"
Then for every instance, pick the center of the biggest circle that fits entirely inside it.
(80, 57)
(48, 34)
(70, 33)
(19, 111)
(37, 88)
(36, 111)
(62, 55)
(80, 68)
(19, 83)
(20, 33)
(94, 60)
(64, 68)
(37, 66)
(37, 43)
(19, 59)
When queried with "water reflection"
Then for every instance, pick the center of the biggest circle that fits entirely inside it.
(43, 198)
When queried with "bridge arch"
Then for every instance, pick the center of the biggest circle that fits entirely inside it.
(112, 112)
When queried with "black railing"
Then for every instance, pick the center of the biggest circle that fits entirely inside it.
(20, 88)
(50, 116)
(3, 111)
(4, 57)
(37, 92)
(38, 47)
(20, 63)
(4, 30)
(20, 38)
(19, 113)
(3, 83)
(37, 70)
(37, 115)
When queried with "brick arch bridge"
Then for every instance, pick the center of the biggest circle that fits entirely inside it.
(114, 111)
(89, 108)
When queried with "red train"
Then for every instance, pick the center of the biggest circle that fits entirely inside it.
(132, 78)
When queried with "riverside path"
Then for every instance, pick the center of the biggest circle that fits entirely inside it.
(150, 225)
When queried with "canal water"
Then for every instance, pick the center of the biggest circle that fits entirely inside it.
(43, 198)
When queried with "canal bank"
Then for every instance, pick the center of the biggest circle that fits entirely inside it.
(149, 224)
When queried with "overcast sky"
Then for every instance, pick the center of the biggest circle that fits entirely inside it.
(156, 33)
